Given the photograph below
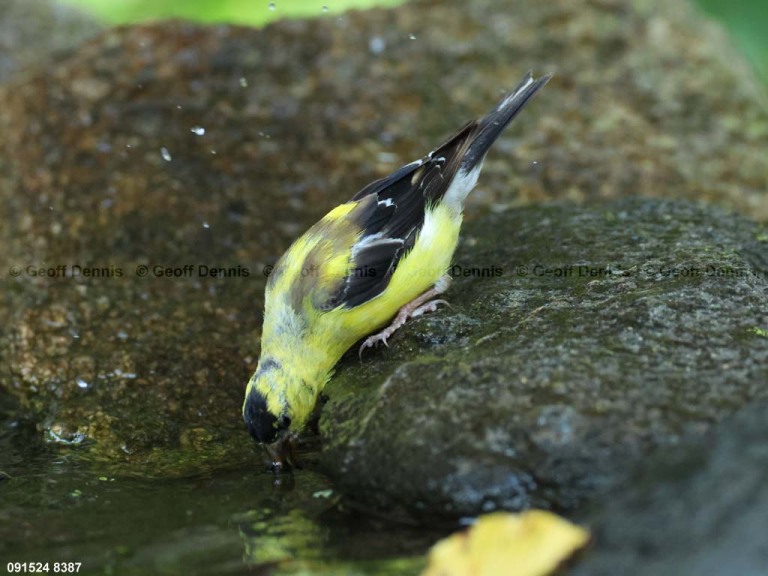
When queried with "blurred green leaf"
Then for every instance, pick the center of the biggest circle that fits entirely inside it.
(248, 12)
(747, 22)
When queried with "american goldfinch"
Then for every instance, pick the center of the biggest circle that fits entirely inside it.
(380, 258)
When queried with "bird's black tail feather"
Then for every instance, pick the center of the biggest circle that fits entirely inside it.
(491, 125)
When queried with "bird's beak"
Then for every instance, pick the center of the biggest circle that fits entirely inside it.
(282, 452)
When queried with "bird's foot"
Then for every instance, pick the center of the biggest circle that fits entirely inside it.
(417, 307)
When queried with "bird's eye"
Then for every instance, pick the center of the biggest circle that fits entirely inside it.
(284, 422)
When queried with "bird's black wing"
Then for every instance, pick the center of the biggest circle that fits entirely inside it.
(391, 223)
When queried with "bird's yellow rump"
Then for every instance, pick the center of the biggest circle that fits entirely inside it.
(378, 259)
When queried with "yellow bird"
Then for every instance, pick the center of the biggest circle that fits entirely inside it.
(380, 258)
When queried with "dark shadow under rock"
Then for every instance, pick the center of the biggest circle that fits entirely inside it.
(701, 508)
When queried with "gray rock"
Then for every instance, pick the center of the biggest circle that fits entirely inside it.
(32, 31)
(699, 509)
(103, 166)
(608, 331)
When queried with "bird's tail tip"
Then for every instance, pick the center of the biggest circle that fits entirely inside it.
(493, 123)
(517, 97)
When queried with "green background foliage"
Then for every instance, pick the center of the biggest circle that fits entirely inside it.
(746, 20)
(246, 12)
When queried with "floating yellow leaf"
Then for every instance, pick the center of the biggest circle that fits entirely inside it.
(532, 543)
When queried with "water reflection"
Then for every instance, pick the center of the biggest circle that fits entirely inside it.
(55, 507)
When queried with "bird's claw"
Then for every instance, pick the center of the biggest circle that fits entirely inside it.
(405, 313)
(371, 342)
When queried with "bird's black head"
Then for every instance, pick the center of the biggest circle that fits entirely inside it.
(263, 425)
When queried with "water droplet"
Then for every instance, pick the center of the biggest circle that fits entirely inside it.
(377, 45)
(178, 106)
(81, 383)
(165, 154)
(199, 130)
(272, 6)
(411, 36)
(206, 225)
(213, 151)
(244, 82)
(122, 334)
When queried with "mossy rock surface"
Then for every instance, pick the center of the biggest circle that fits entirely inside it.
(104, 166)
(602, 334)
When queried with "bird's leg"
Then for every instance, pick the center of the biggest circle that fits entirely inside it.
(416, 307)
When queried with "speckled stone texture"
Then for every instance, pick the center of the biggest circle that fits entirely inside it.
(590, 338)
(103, 165)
